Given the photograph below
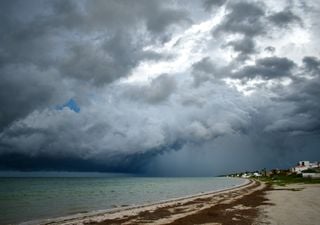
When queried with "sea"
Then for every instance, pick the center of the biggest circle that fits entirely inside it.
(36, 196)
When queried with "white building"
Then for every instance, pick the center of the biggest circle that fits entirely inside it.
(304, 165)
(255, 174)
(245, 175)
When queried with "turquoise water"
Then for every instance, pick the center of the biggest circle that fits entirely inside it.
(30, 198)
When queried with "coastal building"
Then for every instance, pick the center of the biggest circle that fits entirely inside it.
(245, 175)
(251, 174)
(304, 165)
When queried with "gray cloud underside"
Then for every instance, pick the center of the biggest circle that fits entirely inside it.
(193, 120)
(268, 68)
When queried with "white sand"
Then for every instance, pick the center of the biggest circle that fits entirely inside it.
(292, 207)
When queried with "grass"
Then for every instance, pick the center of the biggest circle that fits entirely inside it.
(283, 180)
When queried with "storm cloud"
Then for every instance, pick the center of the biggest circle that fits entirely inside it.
(268, 68)
(158, 87)
(284, 18)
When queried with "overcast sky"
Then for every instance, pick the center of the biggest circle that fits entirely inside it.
(159, 87)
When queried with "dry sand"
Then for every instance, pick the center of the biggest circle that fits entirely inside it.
(297, 204)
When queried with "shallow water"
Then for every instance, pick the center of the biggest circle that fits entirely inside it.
(30, 198)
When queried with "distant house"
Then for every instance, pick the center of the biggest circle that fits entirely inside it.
(245, 175)
(304, 165)
(256, 174)
(250, 174)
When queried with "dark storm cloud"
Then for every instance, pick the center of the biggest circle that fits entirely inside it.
(244, 18)
(25, 162)
(159, 21)
(159, 90)
(24, 42)
(270, 49)
(54, 23)
(245, 47)
(312, 65)
(184, 107)
(122, 129)
(115, 15)
(267, 68)
(102, 63)
(108, 23)
(250, 19)
(24, 88)
(284, 18)
(303, 97)
(105, 62)
(306, 96)
(204, 65)
(209, 4)
(302, 102)
(91, 41)
(205, 70)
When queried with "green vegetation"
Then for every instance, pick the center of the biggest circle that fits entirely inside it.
(312, 170)
(283, 180)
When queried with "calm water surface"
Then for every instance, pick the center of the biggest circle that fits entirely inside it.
(30, 198)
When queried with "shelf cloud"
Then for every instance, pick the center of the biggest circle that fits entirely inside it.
(158, 87)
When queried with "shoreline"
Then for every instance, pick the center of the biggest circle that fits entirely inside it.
(252, 202)
(135, 210)
(100, 215)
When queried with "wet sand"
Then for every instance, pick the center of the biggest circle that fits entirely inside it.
(297, 204)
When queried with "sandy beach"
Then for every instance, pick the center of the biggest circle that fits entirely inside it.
(252, 203)
(295, 204)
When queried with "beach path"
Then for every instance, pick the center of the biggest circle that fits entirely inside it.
(296, 204)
